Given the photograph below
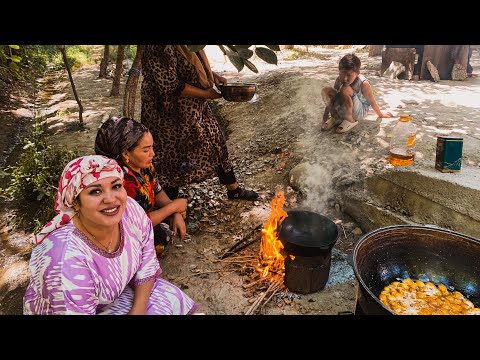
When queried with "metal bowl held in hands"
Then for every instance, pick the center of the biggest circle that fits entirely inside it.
(238, 92)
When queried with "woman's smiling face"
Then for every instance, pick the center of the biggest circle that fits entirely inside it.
(103, 202)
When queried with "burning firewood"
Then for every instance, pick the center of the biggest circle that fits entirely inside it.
(264, 273)
(271, 259)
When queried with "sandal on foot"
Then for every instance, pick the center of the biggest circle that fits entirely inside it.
(327, 125)
(346, 126)
(241, 193)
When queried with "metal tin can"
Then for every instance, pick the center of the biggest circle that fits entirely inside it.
(449, 154)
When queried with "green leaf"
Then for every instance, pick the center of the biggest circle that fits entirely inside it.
(250, 65)
(193, 48)
(223, 49)
(232, 48)
(274, 47)
(245, 53)
(14, 67)
(242, 46)
(266, 55)
(16, 47)
(235, 59)
(3, 173)
(16, 58)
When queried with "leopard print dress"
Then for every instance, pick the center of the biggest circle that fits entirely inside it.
(188, 142)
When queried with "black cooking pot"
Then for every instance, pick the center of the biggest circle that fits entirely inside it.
(306, 233)
(427, 253)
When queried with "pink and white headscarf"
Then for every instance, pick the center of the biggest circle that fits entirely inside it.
(77, 175)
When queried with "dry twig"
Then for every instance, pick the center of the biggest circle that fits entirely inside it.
(344, 233)
(273, 293)
(204, 272)
(247, 286)
(235, 259)
(274, 286)
(237, 246)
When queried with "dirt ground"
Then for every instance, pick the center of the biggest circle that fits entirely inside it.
(268, 137)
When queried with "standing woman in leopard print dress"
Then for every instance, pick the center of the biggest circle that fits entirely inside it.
(189, 144)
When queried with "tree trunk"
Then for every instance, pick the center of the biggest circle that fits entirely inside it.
(374, 50)
(118, 71)
(104, 62)
(131, 85)
(405, 56)
(67, 66)
(443, 57)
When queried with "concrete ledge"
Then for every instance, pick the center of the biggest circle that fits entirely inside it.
(371, 217)
(458, 191)
(422, 196)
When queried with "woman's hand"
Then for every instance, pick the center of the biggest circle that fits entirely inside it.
(178, 225)
(212, 94)
(137, 312)
(219, 80)
(180, 205)
(141, 295)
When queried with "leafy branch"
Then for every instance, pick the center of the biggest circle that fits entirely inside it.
(13, 59)
(239, 55)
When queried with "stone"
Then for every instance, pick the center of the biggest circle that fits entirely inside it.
(395, 69)
(433, 71)
(459, 72)
(357, 231)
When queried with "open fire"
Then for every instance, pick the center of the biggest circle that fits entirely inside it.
(271, 261)
(300, 262)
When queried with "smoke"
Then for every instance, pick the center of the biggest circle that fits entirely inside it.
(316, 185)
(327, 162)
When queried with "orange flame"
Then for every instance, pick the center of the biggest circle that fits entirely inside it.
(271, 260)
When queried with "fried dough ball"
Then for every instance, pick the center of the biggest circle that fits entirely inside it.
(417, 297)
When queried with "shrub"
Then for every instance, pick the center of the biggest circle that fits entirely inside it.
(34, 179)
(130, 51)
(77, 56)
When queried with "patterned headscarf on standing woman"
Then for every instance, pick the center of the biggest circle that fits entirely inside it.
(77, 175)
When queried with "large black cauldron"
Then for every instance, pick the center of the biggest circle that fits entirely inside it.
(428, 253)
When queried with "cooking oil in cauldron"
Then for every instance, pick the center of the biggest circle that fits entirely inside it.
(410, 297)
(403, 142)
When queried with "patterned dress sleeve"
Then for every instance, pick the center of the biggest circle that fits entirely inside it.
(160, 61)
(149, 266)
(61, 281)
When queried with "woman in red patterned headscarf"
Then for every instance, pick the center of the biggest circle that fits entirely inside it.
(96, 256)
